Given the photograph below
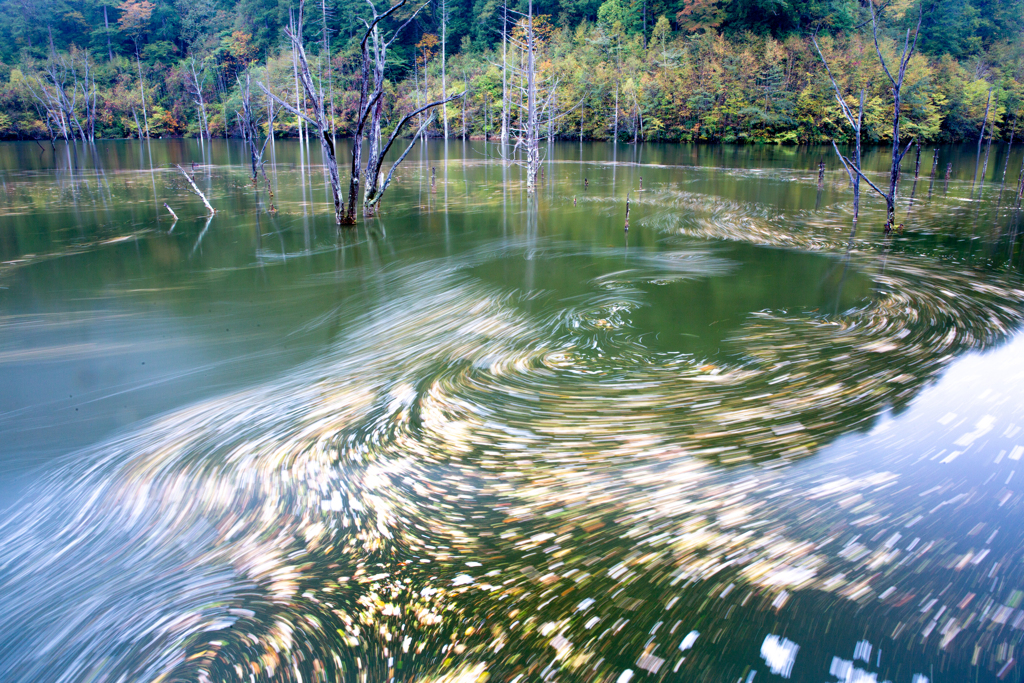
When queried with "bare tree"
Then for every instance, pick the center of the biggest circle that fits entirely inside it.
(375, 188)
(295, 70)
(367, 101)
(135, 17)
(1009, 148)
(375, 183)
(897, 88)
(330, 66)
(526, 130)
(984, 122)
(535, 103)
(504, 75)
(319, 119)
(57, 93)
(444, 60)
(195, 87)
(852, 166)
(88, 87)
(250, 131)
(106, 30)
(465, 80)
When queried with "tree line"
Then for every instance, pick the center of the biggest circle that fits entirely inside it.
(631, 70)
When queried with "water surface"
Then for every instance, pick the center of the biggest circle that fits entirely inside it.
(490, 435)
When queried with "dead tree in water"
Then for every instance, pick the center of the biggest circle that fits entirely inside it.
(251, 132)
(504, 75)
(195, 88)
(375, 183)
(852, 166)
(526, 131)
(319, 115)
(984, 123)
(58, 94)
(897, 88)
(375, 53)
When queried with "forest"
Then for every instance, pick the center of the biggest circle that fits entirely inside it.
(733, 71)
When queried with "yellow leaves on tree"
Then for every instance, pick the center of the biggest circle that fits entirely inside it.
(542, 29)
(241, 47)
(135, 17)
(426, 47)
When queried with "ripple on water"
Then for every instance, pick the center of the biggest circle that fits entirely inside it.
(464, 488)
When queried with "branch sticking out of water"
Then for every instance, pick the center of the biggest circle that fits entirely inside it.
(171, 211)
(195, 188)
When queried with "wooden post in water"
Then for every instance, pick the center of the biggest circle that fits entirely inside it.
(935, 164)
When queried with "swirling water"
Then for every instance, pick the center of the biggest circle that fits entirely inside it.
(493, 437)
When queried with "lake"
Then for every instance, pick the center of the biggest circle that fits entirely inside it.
(495, 436)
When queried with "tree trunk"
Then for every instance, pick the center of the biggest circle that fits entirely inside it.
(615, 127)
(897, 87)
(1009, 148)
(504, 76)
(330, 66)
(532, 137)
(142, 87)
(856, 177)
(195, 188)
(106, 26)
(200, 101)
(295, 72)
(376, 114)
(320, 120)
(444, 60)
(984, 122)
(894, 169)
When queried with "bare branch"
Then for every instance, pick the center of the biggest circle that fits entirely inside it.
(850, 165)
(905, 150)
(286, 106)
(842, 104)
(387, 180)
(405, 120)
(874, 32)
(404, 24)
(377, 19)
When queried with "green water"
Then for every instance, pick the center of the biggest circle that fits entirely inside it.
(489, 432)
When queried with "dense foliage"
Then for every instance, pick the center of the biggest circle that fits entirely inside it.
(722, 70)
